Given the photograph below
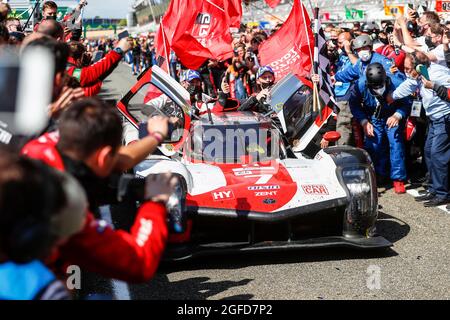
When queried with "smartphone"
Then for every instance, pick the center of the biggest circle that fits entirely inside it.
(123, 34)
(26, 86)
(423, 71)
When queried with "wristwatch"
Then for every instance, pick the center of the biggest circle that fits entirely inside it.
(119, 51)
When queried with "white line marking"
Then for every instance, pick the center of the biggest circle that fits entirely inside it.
(121, 289)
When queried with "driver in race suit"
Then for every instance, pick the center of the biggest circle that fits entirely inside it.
(192, 81)
(89, 125)
(265, 79)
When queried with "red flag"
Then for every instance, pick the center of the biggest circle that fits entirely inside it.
(199, 30)
(291, 48)
(273, 3)
(233, 8)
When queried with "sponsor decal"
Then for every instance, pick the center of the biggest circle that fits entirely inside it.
(223, 195)
(259, 188)
(266, 194)
(202, 28)
(269, 201)
(315, 189)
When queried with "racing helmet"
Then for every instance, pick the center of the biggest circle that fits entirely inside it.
(362, 41)
(370, 27)
(375, 75)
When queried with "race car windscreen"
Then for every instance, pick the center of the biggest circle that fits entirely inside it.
(231, 144)
(298, 112)
(149, 102)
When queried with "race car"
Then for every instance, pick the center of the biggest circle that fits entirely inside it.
(255, 182)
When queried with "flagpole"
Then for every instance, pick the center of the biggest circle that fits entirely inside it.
(316, 96)
(307, 33)
(266, 12)
(161, 25)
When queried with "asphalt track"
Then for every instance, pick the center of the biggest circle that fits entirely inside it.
(417, 267)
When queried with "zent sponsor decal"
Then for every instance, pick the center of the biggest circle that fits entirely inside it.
(315, 189)
(266, 194)
(223, 195)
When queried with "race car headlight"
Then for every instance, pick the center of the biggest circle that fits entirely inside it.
(357, 180)
(360, 182)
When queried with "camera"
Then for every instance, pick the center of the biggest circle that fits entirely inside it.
(133, 188)
(143, 130)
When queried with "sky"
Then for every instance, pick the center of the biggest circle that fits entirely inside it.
(108, 8)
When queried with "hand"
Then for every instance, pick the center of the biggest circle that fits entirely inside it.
(347, 46)
(158, 124)
(412, 14)
(393, 69)
(393, 122)
(427, 83)
(315, 78)
(368, 130)
(263, 94)
(333, 80)
(225, 86)
(159, 187)
(125, 45)
(400, 19)
(324, 144)
(67, 96)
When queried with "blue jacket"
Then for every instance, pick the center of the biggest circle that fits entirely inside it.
(358, 71)
(341, 90)
(363, 103)
(23, 282)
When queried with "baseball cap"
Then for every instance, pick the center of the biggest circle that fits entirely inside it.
(191, 75)
(263, 70)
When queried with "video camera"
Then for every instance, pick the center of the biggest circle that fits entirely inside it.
(131, 187)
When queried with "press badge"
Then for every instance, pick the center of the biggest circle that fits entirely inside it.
(416, 109)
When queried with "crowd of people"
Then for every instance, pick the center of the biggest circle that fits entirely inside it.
(391, 86)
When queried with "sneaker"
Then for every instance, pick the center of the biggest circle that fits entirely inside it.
(427, 197)
(399, 187)
(436, 202)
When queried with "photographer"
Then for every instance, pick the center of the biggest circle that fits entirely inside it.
(389, 49)
(404, 36)
(92, 76)
(89, 147)
(437, 147)
(40, 209)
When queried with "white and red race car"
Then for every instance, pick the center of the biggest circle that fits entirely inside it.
(251, 185)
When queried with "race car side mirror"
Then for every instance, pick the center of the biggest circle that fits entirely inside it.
(332, 136)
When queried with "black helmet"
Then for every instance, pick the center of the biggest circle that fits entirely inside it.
(376, 75)
(370, 27)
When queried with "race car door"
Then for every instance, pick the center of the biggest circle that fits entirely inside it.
(292, 100)
(156, 93)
